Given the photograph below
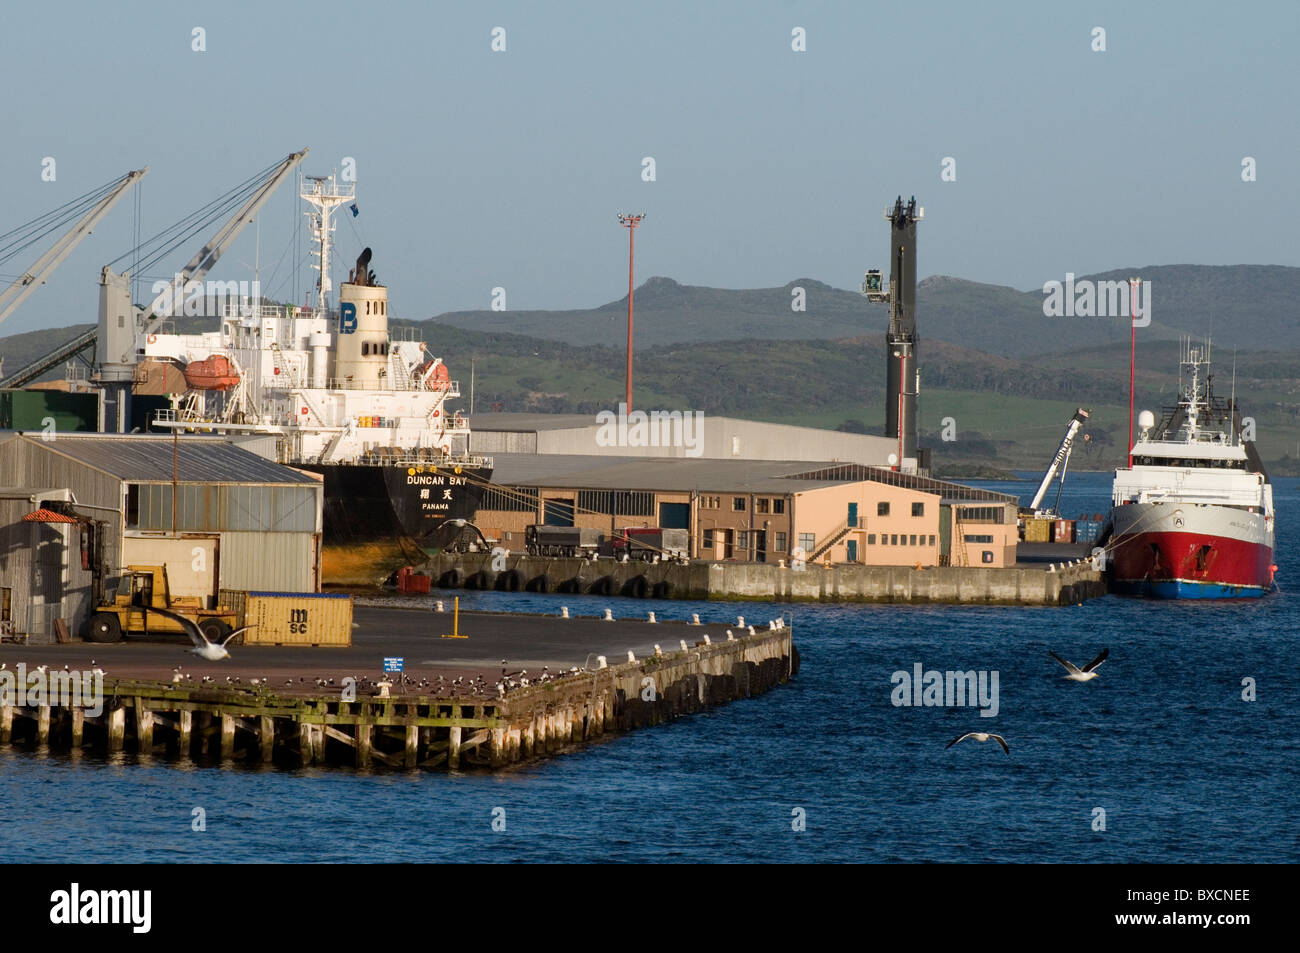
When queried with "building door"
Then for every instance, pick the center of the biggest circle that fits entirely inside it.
(675, 515)
(853, 516)
(852, 547)
(557, 512)
(760, 545)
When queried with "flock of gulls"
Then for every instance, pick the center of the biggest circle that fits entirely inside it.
(460, 686)
(1072, 672)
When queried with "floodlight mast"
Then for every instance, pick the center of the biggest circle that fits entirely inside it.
(630, 222)
(902, 378)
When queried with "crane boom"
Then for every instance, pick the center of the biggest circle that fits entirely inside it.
(40, 271)
(1062, 454)
(207, 256)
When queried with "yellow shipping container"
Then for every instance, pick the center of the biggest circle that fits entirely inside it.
(1038, 531)
(298, 618)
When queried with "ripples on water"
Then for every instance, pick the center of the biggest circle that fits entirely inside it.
(1185, 770)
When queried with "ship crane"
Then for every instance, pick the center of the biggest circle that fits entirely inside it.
(1059, 463)
(124, 326)
(39, 273)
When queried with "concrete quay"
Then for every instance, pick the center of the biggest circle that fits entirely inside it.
(1054, 584)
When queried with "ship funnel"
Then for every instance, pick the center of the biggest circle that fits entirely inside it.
(361, 357)
(361, 274)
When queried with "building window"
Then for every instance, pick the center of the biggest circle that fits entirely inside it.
(932, 539)
(742, 539)
(738, 504)
(882, 509)
(871, 539)
(806, 542)
(918, 509)
(780, 542)
(978, 538)
(709, 543)
(778, 506)
(763, 505)
(913, 542)
(893, 539)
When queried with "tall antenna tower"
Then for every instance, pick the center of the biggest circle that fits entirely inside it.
(325, 195)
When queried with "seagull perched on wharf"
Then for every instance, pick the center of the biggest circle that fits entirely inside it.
(1085, 674)
(980, 736)
(203, 647)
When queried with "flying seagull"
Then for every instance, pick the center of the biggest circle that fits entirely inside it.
(1087, 673)
(980, 736)
(204, 649)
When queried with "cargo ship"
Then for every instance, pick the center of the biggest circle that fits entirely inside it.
(331, 391)
(1192, 514)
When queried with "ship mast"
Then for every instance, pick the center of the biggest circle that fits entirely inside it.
(325, 195)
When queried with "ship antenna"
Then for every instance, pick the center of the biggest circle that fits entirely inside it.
(1232, 402)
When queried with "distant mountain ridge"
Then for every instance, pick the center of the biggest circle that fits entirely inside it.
(1251, 306)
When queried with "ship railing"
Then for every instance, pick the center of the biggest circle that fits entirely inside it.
(249, 310)
(451, 389)
(398, 457)
(405, 333)
(179, 416)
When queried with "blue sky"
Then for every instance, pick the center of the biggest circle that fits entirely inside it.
(479, 169)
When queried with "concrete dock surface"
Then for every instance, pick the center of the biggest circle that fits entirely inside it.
(532, 642)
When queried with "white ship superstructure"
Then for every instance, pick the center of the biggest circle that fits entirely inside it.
(332, 384)
(1192, 517)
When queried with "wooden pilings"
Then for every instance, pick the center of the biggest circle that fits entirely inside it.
(409, 731)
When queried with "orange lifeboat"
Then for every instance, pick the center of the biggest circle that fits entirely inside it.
(440, 379)
(212, 373)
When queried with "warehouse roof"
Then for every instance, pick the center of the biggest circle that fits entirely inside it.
(679, 474)
(527, 423)
(147, 458)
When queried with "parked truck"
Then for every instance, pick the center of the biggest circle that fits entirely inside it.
(542, 540)
(650, 541)
(142, 588)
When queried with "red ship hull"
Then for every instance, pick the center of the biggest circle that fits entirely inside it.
(1175, 564)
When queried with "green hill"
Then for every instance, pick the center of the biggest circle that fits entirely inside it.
(1253, 303)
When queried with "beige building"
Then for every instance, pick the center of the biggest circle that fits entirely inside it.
(760, 511)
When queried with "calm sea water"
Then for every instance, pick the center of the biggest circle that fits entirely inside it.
(1184, 769)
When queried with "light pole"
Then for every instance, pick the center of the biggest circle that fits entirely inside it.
(630, 222)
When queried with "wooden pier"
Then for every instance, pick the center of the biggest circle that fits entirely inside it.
(407, 731)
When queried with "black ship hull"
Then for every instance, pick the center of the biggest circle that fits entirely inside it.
(378, 519)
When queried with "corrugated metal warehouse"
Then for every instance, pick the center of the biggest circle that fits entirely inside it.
(716, 438)
(758, 511)
(239, 521)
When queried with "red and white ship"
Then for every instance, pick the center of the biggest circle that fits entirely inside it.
(1192, 514)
